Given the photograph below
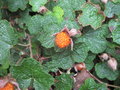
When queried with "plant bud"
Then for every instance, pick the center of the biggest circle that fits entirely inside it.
(104, 1)
(43, 9)
(104, 56)
(79, 66)
(73, 32)
(112, 63)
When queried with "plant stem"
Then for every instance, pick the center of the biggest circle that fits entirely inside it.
(19, 61)
(30, 46)
(24, 45)
(112, 86)
(109, 85)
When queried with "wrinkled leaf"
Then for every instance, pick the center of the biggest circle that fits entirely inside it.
(89, 61)
(36, 4)
(14, 5)
(111, 9)
(90, 84)
(32, 70)
(7, 40)
(70, 6)
(58, 12)
(103, 71)
(115, 35)
(95, 39)
(67, 58)
(64, 82)
(113, 24)
(91, 16)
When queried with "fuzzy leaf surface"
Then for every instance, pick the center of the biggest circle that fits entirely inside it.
(32, 70)
(7, 40)
(90, 16)
(36, 4)
(67, 58)
(103, 71)
(89, 61)
(14, 5)
(95, 39)
(70, 6)
(90, 84)
(111, 9)
(116, 35)
(64, 82)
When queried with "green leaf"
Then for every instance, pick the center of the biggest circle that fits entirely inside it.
(95, 40)
(67, 58)
(25, 18)
(89, 61)
(79, 53)
(113, 24)
(91, 16)
(46, 37)
(35, 24)
(63, 82)
(58, 13)
(4, 55)
(70, 24)
(115, 35)
(7, 40)
(96, 2)
(14, 5)
(103, 71)
(90, 84)
(116, 1)
(7, 33)
(70, 6)
(36, 4)
(3, 72)
(111, 9)
(32, 70)
(63, 61)
(114, 27)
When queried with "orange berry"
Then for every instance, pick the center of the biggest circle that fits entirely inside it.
(62, 39)
(8, 86)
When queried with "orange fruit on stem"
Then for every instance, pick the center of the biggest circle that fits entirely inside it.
(62, 39)
(8, 86)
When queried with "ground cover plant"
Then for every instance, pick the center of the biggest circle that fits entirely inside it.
(59, 44)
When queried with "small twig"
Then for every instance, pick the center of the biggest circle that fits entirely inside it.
(20, 59)
(109, 85)
(112, 86)
(5, 7)
(24, 45)
(95, 77)
(30, 46)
